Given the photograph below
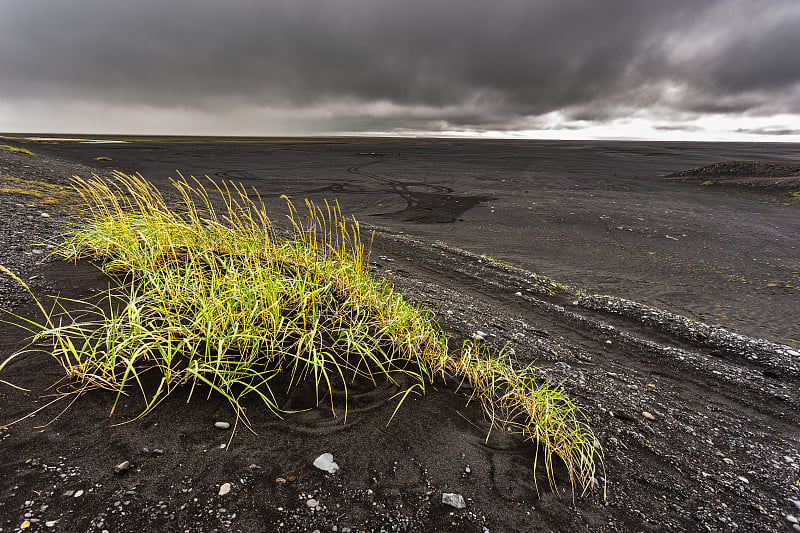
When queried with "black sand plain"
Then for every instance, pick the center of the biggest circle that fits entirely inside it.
(722, 448)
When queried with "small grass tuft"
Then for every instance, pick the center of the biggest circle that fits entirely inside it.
(44, 193)
(221, 299)
(13, 149)
(102, 158)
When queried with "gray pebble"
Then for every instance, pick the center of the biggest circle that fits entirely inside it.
(222, 425)
(122, 467)
(454, 500)
(791, 519)
(311, 502)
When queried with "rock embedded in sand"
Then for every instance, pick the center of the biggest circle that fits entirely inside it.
(648, 415)
(224, 489)
(325, 462)
(222, 425)
(454, 500)
(122, 467)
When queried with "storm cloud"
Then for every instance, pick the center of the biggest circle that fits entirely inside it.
(339, 66)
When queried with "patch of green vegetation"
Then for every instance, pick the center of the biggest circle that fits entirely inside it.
(102, 158)
(707, 183)
(796, 194)
(13, 149)
(221, 300)
(45, 193)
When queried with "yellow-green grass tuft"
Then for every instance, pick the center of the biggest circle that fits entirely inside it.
(220, 298)
(42, 192)
(13, 149)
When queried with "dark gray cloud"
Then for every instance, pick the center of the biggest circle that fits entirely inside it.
(372, 65)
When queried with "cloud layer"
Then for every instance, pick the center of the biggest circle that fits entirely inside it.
(321, 66)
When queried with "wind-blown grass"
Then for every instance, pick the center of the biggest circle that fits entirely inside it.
(218, 297)
(13, 149)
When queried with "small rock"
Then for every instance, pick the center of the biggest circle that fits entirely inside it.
(793, 353)
(122, 467)
(743, 480)
(50, 523)
(518, 293)
(727, 460)
(453, 500)
(222, 425)
(69, 493)
(479, 335)
(224, 489)
(648, 416)
(312, 503)
(467, 470)
(791, 519)
(796, 503)
(325, 462)
(78, 493)
(45, 215)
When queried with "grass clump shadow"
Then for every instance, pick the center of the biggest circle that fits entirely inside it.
(218, 297)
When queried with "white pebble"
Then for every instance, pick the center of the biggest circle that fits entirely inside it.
(325, 462)
(224, 489)
(222, 425)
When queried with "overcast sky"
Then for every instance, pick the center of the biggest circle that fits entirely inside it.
(671, 69)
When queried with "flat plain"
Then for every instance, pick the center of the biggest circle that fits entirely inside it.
(469, 229)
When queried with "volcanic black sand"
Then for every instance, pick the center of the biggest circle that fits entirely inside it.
(719, 449)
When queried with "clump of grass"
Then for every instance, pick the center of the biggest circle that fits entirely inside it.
(13, 149)
(102, 158)
(220, 298)
(44, 193)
